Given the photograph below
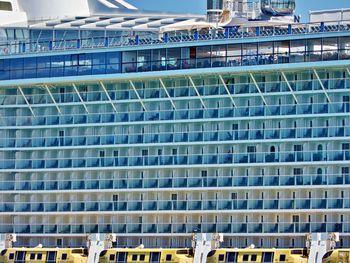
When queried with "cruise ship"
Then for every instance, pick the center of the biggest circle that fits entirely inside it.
(154, 126)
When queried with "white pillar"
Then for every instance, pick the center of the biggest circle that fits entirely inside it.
(204, 243)
(7, 240)
(97, 243)
(319, 244)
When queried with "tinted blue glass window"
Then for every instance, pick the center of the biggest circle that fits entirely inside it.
(29, 73)
(57, 72)
(173, 58)
(30, 63)
(99, 63)
(57, 66)
(16, 63)
(4, 64)
(71, 71)
(159, 59)
(113, 68)
(84, 70)
(85, 63)
(57, 61)
(113, 62)
(71, 65)
(203, 56)
(43, 62)
(16, 66)
(84, 60)
(4, 67)
(29, 68)
(99, 58)
(71, 60)
(4, 75)
(250, 53)
(113, 57)
(144, 60)
(99, 69)
(129, 61)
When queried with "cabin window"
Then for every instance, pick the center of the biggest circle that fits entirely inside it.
(32, 256)
(20, 256)
(5, 6)
(168, 258)
(245, 258)
(268, 257)
(142, 257)
(11, 256)
(155, 257)
(111, 257)
(282, 258)
(39, 257)
(221, 257)
(51, 257)
(122, 257)
(253, 258)
(59, 242)
(134, 258)
(64, 256)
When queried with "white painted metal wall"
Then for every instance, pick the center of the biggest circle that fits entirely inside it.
(330, 15)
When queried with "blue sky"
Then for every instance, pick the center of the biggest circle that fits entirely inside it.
(198, 6)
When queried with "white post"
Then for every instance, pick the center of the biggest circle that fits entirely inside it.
(203, 244)
(97, 243)
(7, 240)
(319, 244)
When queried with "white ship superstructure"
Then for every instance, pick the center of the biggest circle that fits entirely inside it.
(153, 126)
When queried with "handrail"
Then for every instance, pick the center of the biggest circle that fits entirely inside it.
(224, 157)
(81, 178)
(206, 87)
(161, 133)
(195, 110)
(130, 202)
(29, 46)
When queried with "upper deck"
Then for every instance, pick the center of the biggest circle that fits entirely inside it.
(59, 39)
(235, 47)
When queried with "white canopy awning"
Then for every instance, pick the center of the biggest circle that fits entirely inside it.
(187, 25)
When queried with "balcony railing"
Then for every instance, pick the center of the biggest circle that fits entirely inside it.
(83, 183)
(86, 141)
(76, 162)
(179, 115)
(180, 92)
(176, 228)
(179, 205)
(37, 45)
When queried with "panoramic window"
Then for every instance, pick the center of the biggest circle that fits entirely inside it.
(330, 48)
(344, 47)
